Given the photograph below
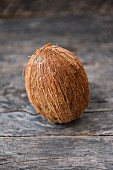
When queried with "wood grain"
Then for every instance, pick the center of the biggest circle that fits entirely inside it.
(24, 124)
(27, 140)
(60, 153)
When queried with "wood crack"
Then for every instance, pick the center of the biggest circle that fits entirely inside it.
(55, 136)
(20, 110)
(31, 113)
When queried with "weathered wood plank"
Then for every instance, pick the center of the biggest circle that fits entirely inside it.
(24, 124)
(61, 153)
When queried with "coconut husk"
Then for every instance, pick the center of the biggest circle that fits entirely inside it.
(57, 84)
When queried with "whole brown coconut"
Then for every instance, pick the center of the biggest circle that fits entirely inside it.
(57, 84)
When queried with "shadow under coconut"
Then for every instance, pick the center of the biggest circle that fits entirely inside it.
(92, 123)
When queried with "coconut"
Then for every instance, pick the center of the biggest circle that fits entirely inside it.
(57, 84)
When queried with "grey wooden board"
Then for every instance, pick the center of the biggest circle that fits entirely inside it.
(62, 153)
(24, 132)
(24, 124)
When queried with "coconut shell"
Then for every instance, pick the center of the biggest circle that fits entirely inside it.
(57, 84)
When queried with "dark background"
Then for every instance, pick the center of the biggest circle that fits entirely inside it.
(28, 8)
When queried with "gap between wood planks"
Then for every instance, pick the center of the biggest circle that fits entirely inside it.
(54, 136)
(31, 113)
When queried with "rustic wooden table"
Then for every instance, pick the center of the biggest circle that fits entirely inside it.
(27, 140)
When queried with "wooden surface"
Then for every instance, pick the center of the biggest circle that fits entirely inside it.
(27, 140)
(29, 8)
